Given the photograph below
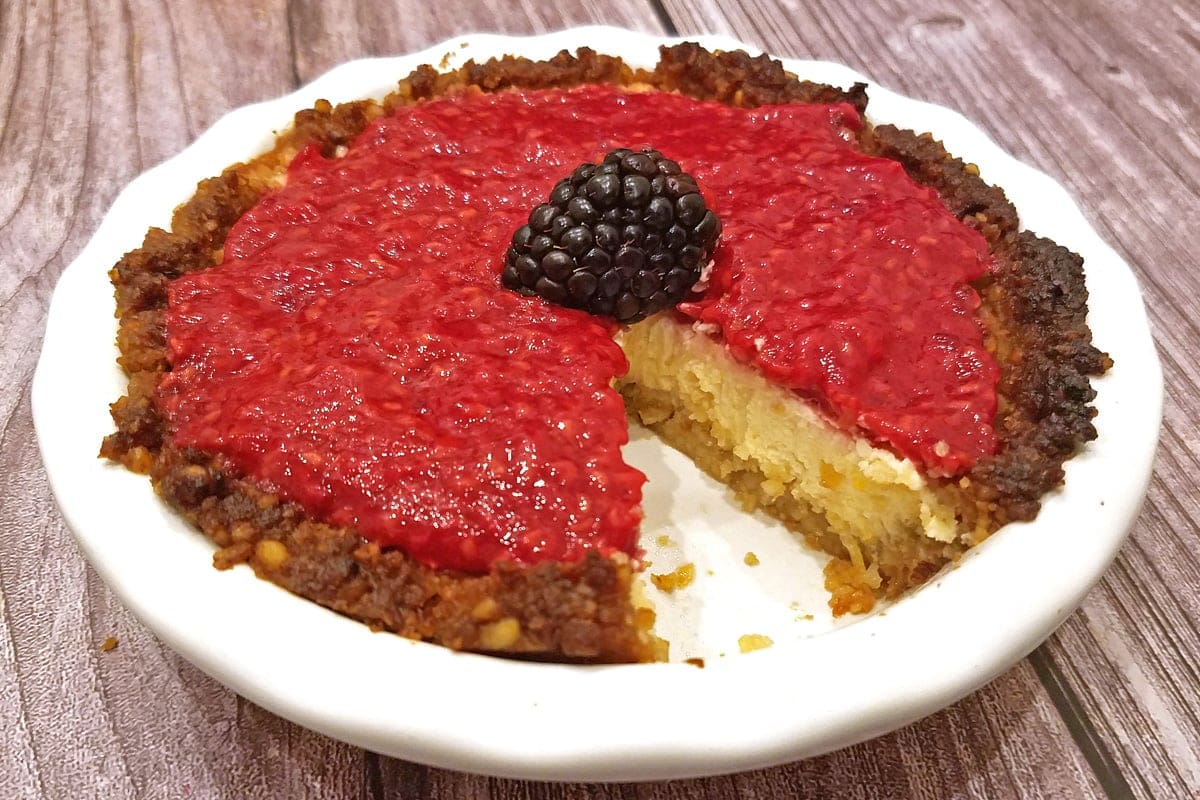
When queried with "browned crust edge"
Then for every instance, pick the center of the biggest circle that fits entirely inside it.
(1034, 309)
(577, 611)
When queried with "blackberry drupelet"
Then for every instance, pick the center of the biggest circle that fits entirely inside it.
(624, 238)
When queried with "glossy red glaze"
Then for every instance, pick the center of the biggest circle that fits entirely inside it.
(355, 353)
(841, 278)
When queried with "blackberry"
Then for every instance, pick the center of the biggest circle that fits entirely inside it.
(624, 238)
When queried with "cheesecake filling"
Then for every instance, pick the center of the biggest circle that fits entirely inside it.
(862, 489)
(355, 353)
(872, 509)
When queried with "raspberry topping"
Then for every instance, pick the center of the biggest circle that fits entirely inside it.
(355, 352)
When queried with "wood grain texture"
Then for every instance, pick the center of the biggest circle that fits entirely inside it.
(93, 92)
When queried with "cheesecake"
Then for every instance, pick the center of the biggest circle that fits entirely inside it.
(336, 373)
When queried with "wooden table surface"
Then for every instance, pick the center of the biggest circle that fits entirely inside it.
(1102, 96)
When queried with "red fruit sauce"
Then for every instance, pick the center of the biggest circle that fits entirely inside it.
(356, 354)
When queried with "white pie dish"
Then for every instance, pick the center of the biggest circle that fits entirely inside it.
(823, 685)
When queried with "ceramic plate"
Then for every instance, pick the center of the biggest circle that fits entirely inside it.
(823, 685)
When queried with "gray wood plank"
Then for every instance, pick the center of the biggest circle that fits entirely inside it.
(331, 33)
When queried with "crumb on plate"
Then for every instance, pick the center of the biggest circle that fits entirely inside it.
(681, 578)
(754, 641)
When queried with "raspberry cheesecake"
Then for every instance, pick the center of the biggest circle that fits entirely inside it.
(389, 362)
